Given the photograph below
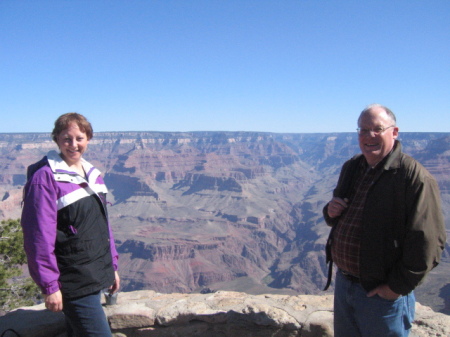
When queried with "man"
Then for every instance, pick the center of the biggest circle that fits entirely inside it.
(387, 232)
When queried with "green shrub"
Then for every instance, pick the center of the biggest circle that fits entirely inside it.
(15, 290)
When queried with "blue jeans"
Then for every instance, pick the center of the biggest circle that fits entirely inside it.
(356, 315)
(85, 317)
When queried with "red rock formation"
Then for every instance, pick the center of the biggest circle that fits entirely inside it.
(206, 209)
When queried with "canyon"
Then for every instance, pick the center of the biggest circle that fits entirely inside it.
(230, 211)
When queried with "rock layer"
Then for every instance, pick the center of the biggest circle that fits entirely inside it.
(206, 209)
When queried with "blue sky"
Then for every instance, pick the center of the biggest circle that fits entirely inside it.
(248, 65)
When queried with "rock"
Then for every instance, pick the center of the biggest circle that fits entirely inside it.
(133, 315)
(429, 323)
(147, 313)
(35, 321)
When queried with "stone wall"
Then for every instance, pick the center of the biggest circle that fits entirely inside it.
(229, 314)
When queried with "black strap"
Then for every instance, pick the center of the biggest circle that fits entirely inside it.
(10, 330)
(329, 258)
(348, 175)
(330, 275)
(34, 167)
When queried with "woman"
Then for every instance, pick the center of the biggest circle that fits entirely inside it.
(67, 238)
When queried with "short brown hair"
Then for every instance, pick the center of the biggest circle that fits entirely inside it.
(64, 121)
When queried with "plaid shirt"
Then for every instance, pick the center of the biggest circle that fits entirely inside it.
(347, 235)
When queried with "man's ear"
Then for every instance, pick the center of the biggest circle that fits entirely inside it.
(395, 133)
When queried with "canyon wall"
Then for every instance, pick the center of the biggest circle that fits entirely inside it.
(234, 211)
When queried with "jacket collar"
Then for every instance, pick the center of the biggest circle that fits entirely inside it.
(58, 165)
(393, 158)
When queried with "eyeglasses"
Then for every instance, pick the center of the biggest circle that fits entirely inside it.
(376, 131)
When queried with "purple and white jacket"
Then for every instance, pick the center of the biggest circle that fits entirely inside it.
(67, 238)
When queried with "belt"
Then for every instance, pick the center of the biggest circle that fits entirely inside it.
(350, 277)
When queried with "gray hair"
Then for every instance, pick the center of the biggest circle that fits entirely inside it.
(389, 112)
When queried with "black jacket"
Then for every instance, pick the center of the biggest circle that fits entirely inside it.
(403, 230)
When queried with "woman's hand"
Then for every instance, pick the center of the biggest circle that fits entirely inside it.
(53, 302)
(115, 287)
